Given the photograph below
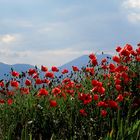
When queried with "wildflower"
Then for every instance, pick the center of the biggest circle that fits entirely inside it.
(120, 98)
(112, 104)
(31, 72)
(38, 81)
(95, 97)
(82, 112)
(103, 113)
(14, 73)
(42, 91)
(14, 84)
(2, 101)
(1, 84)
(118, 49)
(116, 59)
(28, 82)
(53, 103)
(75, 68)
(64, 71)
(56, 90)
(55, 69)
(9, 101)
(49, 74)
(44, 69)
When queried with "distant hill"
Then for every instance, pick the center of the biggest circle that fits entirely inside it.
(83, 61)
(5, 69)
(79, 62)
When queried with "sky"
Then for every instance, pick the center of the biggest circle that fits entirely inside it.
(54, 32)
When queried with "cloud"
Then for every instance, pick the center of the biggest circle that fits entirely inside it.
(56, 57)
(7, 38)
(134, 17)
(131, 3)
(133, 10)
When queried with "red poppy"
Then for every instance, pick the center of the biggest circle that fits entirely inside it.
(49, 74)
(103, 113)
(118, 87)
(46, 81)
(38, 81)
(90, 70)
(95, 97)
(56, 90)
(9, 101)
(1, 84)
(94, 82)
(42, 91)
(53, 103)
(44, 69)
(112, 104)
(92, 56)
(14, 73)
(120, 98)
(116, 59)
(55, 69)
(14, 84)
(28, 82)
(101, 90)
(102, 104)
(24, 90)
(94, 61)
(2, 101)
(64, 71)
(118, 49)
(31, 71)
(75, 68)
(82, 112)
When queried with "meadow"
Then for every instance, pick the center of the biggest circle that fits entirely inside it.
(97, 102)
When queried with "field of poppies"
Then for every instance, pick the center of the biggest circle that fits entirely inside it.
(97, 102)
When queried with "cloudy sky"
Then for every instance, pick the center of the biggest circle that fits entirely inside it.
(53, 32)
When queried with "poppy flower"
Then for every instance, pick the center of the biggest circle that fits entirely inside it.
(64, 71)
(75, 68)
(9, 101)
(116, 59)
(102, 104)
(55, 69)
(118, 49)
(14, 73)
(38, 81)
(14, 84)
(103, 113)
(101, 90)
(53, 103)
(56, 90)
(95, 97)
(49, 74)
(42, 91)
(24, 90)
(31, 71)
(28, 82)
(82, 112)
(94, 82)
(94, 61)
(118, 87)
(2, 101)
(92, 56)
(1, 84)
(44, 69)
(112, 104)
(120, 98)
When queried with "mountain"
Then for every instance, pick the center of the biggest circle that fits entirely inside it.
(79, 62)
(5, 69)
(83, 61)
